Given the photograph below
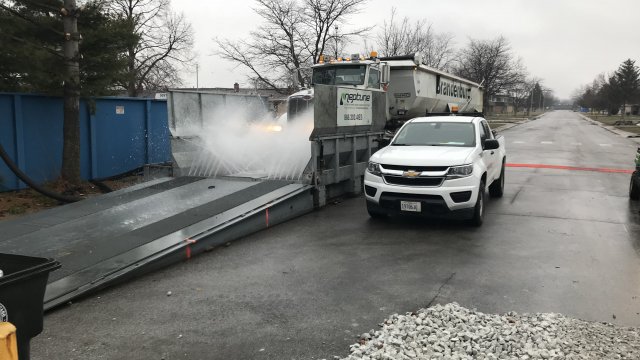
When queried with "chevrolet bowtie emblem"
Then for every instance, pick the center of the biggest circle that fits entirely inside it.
(411, 173)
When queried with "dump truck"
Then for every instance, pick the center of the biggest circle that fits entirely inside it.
(412, 88)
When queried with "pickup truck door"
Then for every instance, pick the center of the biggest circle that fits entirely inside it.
(490, 156)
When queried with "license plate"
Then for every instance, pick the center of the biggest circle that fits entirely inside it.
(410, 206)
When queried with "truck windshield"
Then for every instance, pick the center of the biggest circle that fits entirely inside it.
(436, 134)
(339, 75)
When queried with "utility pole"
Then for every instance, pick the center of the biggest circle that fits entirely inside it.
(336, 29)
(531, 100)
(541, 96)
(197, 82)
(544, 98)
(71, 128)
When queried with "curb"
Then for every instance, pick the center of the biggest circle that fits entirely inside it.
(612, 129)
(509, 126)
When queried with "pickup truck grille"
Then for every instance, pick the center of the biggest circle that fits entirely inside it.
(414, 168)
(417, 181)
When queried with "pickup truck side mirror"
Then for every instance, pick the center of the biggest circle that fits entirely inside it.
(491, 144)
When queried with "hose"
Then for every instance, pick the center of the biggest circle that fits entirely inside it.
(22, 176)
(104, 188)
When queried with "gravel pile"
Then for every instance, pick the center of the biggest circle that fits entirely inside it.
(454, 332)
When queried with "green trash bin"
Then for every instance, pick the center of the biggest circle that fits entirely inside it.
(22, 286)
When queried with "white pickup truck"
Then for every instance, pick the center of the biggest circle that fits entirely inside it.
(437, 166)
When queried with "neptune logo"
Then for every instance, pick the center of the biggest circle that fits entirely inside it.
(351, 98)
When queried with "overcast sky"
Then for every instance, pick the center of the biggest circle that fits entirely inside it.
(565, 42)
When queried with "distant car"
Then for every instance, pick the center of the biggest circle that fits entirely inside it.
(437, 166)
(634, 186)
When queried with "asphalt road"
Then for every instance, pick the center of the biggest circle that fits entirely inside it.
(564, 241)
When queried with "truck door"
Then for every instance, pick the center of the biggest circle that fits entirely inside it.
(490, 156)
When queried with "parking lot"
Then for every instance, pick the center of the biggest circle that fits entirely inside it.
(560, 240)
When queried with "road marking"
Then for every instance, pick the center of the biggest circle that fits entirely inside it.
(605, 144)
(546, 142)
(573, 168)
(518, 142)
(576, 144)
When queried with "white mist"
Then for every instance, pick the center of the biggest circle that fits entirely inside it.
(239, 145)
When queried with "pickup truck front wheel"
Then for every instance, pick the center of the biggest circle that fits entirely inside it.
(634, 189)
(478, 211)
(496, 189)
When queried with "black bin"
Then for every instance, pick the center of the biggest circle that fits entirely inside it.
(22, 295)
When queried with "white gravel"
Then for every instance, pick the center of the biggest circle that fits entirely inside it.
(453, 332)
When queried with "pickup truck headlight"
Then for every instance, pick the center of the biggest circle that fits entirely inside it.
(457, 172)
(374, 168)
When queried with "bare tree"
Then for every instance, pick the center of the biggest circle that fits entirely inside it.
(401, 37)
(492, 63)
(293, 36)
(549, 100)
(521, 93)
(164, 42)
(603, 94)
(337, 44)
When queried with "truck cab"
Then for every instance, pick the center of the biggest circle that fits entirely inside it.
(360, 74)
(354, 72)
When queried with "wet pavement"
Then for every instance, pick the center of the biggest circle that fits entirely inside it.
(563, 241)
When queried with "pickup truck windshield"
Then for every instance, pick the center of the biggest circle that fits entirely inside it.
(436, 134)
(339, 75)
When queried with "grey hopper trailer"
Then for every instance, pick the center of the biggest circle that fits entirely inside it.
(412, 88)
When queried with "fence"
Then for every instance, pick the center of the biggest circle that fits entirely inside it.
(117, 135)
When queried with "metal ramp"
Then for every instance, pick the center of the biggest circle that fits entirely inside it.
(116, 236)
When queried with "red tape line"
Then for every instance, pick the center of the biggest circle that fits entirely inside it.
(267, 216)
(572, 168)
(188, 249)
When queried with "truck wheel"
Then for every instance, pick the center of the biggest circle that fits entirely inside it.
(375, 212)
(478, 211)
(634, 190)
(496, 189)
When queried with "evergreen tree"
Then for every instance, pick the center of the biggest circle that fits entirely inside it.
(43, 52)
(627, 78)
(31, 40)
(610, 96)
(535, 99)
(32, 59)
